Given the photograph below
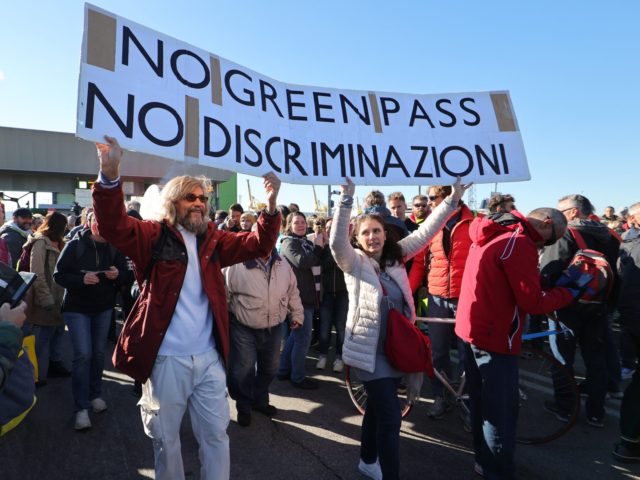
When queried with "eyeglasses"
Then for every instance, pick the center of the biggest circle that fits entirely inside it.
(420, 205)
(433, 198)
(192, 197)
(567, 209)
(552, 239)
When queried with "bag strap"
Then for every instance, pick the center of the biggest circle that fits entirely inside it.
(577, 236)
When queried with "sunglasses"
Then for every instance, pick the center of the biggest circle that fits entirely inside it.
(433, 198)
(420, 205)
(552, 239)
(192, 197)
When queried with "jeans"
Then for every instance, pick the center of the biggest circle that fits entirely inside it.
(253, 362)
(630, 408)
(333, 312)
(492, 382)
(589, 331)
(196, 382)
(441, 336)
(295, 349)
(381, 426)
(44, 338)
(88, 332)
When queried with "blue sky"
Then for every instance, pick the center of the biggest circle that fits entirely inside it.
(572, 68)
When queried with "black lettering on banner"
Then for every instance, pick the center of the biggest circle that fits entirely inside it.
(322, 106)
(352, 161)
(423, 158)
(267, 151)
(174, 67)
(238, 144)
(372, 162)
(247, 138)
(208, 122)
(446, 168)
(418, 112)
(443, 110)
(344, 101)
(476, 115)
(291, 104)
(503, 155)
(142, 122)
(436, 165)
(481, 155)
(128, 36)
(387, 110)
(388, 163)
(291, 154)
(269, 96)
(94, 92)
(227, 83)
(338, 152)
(314, 159)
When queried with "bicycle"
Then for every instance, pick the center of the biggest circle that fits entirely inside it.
(542, 378)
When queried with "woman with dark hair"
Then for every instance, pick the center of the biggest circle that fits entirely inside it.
(91, 271)
(302, 255)
(45, 297)
(373, 265)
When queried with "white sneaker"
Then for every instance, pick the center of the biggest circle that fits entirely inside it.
(338, 365)
(371, 470)
(98, 405)
(322, 362)
(82, 420)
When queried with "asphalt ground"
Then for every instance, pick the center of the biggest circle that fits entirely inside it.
(314, 436)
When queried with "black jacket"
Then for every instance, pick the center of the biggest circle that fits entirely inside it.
(597, 236)
(79, 256)
(629, 299)
(332, 276)
(302, 258)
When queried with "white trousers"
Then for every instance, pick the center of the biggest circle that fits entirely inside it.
(199, 382)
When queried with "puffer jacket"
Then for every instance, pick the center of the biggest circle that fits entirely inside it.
(445, 271)
(44, 298)
(363, 284)
(259, 302)
(15, 238)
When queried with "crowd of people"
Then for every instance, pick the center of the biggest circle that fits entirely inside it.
(236, 301)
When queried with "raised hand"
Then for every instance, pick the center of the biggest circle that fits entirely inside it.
(272, 187)
(109, 155)
(459, 189)
(349, 188)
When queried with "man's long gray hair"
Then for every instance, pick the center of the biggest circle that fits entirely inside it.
(175, 190)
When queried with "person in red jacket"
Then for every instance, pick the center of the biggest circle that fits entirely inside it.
(444, 258)
(500, 285)
(176, 338)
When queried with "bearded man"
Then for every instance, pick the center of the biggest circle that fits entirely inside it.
(176, 338)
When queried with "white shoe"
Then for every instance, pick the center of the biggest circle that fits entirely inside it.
(98, 405)
(322, 362)
(338, 365)
(371, 470)
(82, 420)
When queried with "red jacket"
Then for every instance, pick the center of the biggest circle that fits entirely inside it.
(501, 284)
(445, 273)
(5, 256)
(149, 319)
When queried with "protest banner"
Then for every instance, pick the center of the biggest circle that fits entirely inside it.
(161, 96)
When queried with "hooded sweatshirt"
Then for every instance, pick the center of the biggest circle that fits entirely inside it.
(501, 284)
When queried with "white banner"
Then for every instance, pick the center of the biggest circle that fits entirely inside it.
(161, 96)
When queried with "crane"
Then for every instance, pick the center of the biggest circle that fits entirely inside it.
(320, 208)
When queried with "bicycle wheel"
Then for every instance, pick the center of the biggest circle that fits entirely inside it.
(545, 381)
(358, 394)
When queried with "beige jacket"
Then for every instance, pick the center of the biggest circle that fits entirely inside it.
(259, 302)
(45, 296)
